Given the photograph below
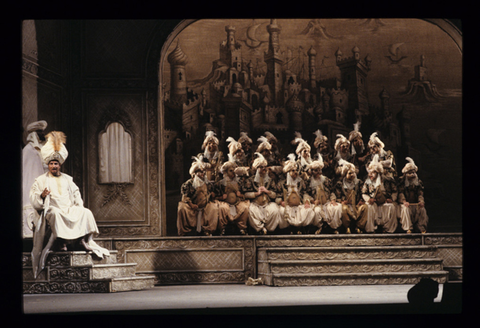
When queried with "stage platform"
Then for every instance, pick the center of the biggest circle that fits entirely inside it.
(287, 260)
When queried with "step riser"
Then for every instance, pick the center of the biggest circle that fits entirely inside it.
(116, 272)
(138, 284)
(347, 268)
(72, 259)
(80, 273)
(343, 281)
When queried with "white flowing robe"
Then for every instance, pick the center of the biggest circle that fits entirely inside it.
(63, 210)
(267, 215)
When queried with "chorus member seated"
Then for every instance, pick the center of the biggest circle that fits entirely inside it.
(276, 175)
(276, 152)
(198, 211)
(233, 206)
(379, 194)
(211, 155)
(297, 214)
(57, 199)
(322, 145)
(348, 191)
(385, 157)
(319, 192)
(357, 149)
(246, 143)
(342, 151)
(303, 155)
(264, 215)
(413, 214)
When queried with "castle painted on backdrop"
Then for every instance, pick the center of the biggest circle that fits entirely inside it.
(237, 96)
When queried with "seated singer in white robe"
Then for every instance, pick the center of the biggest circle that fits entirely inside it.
(58, 198)
(297, 213)
(264, 215)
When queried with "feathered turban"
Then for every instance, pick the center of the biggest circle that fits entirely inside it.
(345, 166)
(264, 144)
(317, 163)
(244, 138)
(54, 148)
(290, 164)
(374, 140)
(320, 138)
(375, 165)
(270, 137)
(355, 133)
(409, 166)
(260, 160)
(233, 145)
(302, 144)
(197, 164)
(341, 140)
(228, 164)
(209, 135)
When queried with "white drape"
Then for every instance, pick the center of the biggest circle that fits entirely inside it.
(115, 155)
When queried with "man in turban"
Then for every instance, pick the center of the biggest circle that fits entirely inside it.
(32, 167)
(385, 157)
(322, 145)
(232, 206)
(58, 198)
(410, 197)
(197, 211)
(264, 215)
(357, 147)
(303, 155)
(348, 190)
(379, 194)
(319, 191)
(211, 155)
(246, 143)
(342, 151)
(294, 210)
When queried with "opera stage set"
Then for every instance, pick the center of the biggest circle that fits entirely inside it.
(95, 78)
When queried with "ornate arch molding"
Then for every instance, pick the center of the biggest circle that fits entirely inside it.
(448, 27)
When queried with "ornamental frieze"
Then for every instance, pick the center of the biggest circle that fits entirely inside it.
(360, 268)
(69, 274)
(344, 241)
(336, 281)
(201, 277)
(331, 255)
(65, 287)
(443, 240)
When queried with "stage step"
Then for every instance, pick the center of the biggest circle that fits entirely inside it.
(349, 265)
(371, 278)
(83, 272)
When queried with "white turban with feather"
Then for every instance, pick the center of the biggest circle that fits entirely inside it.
(54, 148)
(409, 166)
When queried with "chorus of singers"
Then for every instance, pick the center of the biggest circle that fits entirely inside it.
(348, 189)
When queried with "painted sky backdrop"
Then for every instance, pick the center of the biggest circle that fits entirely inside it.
(410, 39)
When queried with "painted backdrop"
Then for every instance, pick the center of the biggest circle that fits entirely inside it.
(401, 77)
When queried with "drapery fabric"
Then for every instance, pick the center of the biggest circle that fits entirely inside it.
(115, 155)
